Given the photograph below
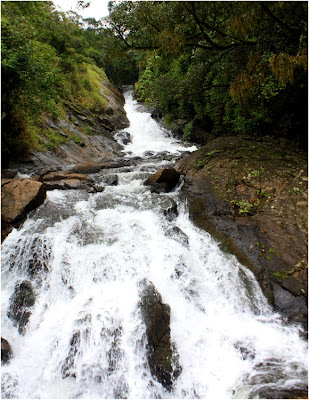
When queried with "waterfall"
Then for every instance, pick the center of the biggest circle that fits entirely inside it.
(84, 256)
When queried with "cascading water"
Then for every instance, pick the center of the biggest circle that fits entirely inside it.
(85, 254)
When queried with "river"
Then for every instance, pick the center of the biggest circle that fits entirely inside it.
(86, 337)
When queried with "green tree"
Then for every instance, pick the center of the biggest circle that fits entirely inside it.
(224, 66)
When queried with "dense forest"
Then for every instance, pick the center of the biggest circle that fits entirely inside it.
(212, 68)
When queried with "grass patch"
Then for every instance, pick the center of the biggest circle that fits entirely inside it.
(86, 88)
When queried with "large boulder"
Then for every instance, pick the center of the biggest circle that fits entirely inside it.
(160, 351)
(6, 351)
(20, 196)
(163, 180)
(252, 196)
(21, 302)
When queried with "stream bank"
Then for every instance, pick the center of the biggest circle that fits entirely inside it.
(252, 196)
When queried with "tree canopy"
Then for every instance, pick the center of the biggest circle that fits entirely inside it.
(227, 66)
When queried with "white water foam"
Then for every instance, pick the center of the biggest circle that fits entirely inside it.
(146, 134)
(86, 337)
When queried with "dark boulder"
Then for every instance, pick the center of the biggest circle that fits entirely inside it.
(6, 351)
(163, 180)
(252, 196)
(293, 307)
(267, 392)
(21, 301)
(160, 352)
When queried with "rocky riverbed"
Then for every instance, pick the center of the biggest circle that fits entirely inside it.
(250, 195)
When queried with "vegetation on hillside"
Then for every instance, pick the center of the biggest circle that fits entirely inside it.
(50, 58)
(220, 68)
(227, 67)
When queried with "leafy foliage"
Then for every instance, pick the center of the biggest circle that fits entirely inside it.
(48, 58)
(219, 67)
(231, 67)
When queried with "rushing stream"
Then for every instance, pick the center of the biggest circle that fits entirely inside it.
(85, 255)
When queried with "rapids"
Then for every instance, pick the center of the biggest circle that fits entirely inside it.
(86, 338)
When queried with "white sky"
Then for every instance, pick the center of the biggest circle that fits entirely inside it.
(97, 8)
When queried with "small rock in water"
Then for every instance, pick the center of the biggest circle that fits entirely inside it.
(110, 180)
(124, 137)
(169, 207)
(163, 180)
(6, 351)
(161, 353)
(22, 299)
(39, 260)
(69, 363)
(177, 234)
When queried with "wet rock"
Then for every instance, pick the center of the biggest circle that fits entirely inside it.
(169, 208)
(160, 351)
(60, 175)
(20, 196)
(163, 180)
(268, 392)
(176, 233)
(69, 363)
(87, 168)
(88, 135)
(6, 351)
(246, 352)
(293, 307)
(124, 137)
(156, 115)
(110, 180)
(9, 174)
(38, 261)
(149, 153)
(21, 302)
(95, 189)
(65, 184)
(66, 180)
(114, 354)
(249, 197)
